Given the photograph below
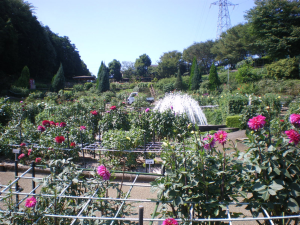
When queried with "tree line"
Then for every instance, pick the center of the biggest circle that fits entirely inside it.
(25, 42)
(272, 32)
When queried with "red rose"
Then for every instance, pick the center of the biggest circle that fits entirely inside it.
(38, 160)
(113, 107)
(46, 123)
(72, 144)
(59, 139)
(94, 113)
(62, 124)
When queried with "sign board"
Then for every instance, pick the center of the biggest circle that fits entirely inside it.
(149, 161)
(16, 151)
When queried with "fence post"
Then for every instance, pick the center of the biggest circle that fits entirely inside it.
(17, 183)
(33, 175)
(82, 148)
(153, 136)
(68, 140)
(145, 154)
(141, 215)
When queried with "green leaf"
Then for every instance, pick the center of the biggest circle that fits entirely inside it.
(280, 140)
(275, 186)
(257, 169)
(216, 212)
(287, 174)
(293, 205)
(178, 201)
(244, 194)
(259, 187)
(295, 189)
(286, 152)
(271, 148)
(269, 170)
(172, 193)
(277, 171)
(266, 196)
(271, 192)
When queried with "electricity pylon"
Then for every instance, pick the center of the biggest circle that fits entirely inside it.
(223, 17)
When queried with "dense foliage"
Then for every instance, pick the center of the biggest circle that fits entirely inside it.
(26, 42)
(276, 24)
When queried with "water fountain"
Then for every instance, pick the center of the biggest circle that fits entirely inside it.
(182, 104)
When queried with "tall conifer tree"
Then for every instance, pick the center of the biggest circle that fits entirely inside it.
(99, 72)
(196, 80)
(104, 79)
(192, 72)
(213, 78)
(178, 83)
(23, 80)
(58, 81)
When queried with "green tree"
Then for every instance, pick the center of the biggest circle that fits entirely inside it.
(196, 80)
(99, 74)
(104, 79)
(213, 78)
(202, 52)
(276, 23)
(58, 81)
(192, 72)
(23, 80)
(115, 69)
(128, 69)
(178, 82)
(168, 64)
(141, 65)
(235, 44)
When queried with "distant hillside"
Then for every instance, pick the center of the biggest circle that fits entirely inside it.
(26, 42)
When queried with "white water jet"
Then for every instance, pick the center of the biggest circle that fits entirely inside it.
(182, 104)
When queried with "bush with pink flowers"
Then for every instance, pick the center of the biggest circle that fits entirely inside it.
(266, 175)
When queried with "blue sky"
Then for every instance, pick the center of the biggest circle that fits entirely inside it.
(103, 30)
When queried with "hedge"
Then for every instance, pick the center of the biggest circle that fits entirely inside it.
(234, 121)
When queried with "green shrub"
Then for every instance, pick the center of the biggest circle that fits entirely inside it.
(87, 85)
(23, 80)
(51, 96)
(214, 116)
(168, 87)
(272, 101)
(5, 111)
(140, 101)
(78, 87)
(234, 121)
(41, 86)
(36, 95)
(67, 95)
(236, 103)
(108, 95)
(19, 91)
(284, 68)
(162, 82)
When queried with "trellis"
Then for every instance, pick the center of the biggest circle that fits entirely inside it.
(92, 197)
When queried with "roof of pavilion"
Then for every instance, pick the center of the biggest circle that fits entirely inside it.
(85, 78)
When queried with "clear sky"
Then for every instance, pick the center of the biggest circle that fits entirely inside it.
(103, 30)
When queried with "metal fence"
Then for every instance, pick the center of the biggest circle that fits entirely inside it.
(20, 197)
